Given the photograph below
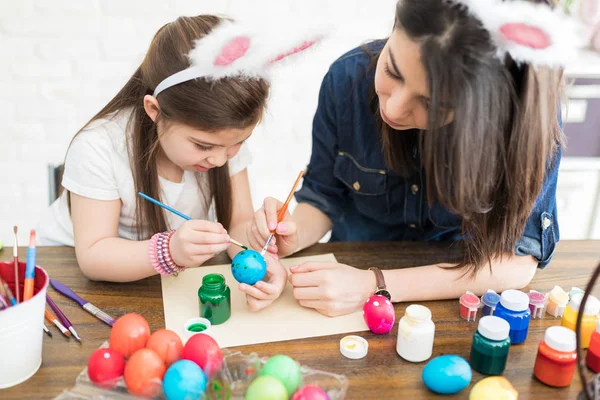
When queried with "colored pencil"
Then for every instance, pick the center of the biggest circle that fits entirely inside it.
(182, 215)
(30, 269)
(52, 319)
(16, 260)
(62, 317)
(282, 211)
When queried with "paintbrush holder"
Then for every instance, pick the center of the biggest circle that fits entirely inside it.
(22, 328)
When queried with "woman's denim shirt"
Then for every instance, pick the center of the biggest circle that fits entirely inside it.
(348, 180)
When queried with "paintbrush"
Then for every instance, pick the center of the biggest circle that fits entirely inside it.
(281, 213)
(16, 260)
(63, 318)
(52, 318)
(47, 331)
(182, 215)
(30, 268)
(6, 292)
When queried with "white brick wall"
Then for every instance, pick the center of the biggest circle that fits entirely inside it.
(63, 60)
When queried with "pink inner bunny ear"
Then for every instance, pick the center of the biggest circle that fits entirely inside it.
(526, 35)
(295, 50)
(233, 50)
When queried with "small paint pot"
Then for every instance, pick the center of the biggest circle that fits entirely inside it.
(537, 304)
(557, 302)
(574, 291)
(489, 301)
(469, 304)
(354, 347)
(194, 326)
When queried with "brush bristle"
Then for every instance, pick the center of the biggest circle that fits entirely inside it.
(32, 238)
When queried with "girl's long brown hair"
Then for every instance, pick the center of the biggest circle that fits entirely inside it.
(488, 165)
(230, 103)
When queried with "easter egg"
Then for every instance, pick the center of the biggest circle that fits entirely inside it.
(310, 392)
(184, 380)
(379, 314)
(167, 344)
(266, 388)
(144, 372)
(248, 267)
(493, 388)
(105, 367)
(129, 334)
(204, 351)
(447, 374)
(285, 369)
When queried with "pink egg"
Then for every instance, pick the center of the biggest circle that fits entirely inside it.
(379, 314)
(310, 392)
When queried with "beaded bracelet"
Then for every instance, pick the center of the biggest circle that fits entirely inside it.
(160, 255)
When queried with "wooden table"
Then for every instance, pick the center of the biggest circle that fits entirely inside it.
(381, 375)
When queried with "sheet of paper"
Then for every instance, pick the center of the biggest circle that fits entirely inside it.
(285, 319)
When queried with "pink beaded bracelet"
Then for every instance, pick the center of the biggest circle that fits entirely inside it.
(160, 255)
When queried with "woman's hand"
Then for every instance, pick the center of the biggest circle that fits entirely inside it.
(285, 241)
(197, 241)
(265, 292)
(331, 288)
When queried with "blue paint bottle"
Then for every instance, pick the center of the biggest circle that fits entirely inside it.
(489, 300)
(514, 308)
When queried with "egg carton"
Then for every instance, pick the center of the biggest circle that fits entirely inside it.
(229, 383)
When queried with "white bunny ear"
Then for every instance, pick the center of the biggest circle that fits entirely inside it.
(532, 33)
(238, 49)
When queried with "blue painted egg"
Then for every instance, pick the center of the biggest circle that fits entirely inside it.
(249, 267)
(184, 380)
(447, 374)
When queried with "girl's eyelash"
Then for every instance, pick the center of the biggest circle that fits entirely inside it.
(390, 74)
(204, 148)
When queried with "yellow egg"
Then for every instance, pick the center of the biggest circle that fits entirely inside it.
(493, 388)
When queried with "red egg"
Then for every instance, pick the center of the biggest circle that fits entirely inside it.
(129, 334)
(379, 314)
(310, 392)
(204, 351)
(144, 372)
(167, 344)
(105, 367)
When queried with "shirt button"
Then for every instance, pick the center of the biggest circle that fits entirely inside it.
(356, 186)
(412, 226)
(547, 223)
(414, 189)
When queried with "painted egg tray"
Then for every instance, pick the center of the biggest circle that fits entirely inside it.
(230, 383)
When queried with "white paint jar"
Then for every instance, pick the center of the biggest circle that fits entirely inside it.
(416, 331)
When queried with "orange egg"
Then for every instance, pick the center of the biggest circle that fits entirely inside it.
(129, 334)
(167, 344)
(144, 372)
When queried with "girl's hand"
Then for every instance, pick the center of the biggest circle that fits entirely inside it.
(263, 293)
(285, 241)
(331, 288)
(197, 241)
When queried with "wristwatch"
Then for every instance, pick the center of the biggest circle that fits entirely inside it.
(381, 288)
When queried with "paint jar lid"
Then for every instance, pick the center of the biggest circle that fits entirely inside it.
(559, 296)
(560, 338)
(418, 313)
(469, 300)
(354, 347)
(514, 300)
(493, 328)
(490, 298)
(194, 326)
(592, 305)
(574, 291)
(536, 298)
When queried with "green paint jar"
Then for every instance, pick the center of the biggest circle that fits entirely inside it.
(215, 299)
(490, 347)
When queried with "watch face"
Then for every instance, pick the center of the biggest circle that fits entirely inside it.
(384, 293)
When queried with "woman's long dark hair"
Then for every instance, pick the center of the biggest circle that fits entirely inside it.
(209, 106)
(488, 165)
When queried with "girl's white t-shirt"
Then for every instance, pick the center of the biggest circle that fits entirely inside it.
(97, 166)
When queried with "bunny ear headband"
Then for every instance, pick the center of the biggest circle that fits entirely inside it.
(532, 33)
(237, 49)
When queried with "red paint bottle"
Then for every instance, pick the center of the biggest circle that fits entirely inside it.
(469, 304)
(556, 358)
(593, 354)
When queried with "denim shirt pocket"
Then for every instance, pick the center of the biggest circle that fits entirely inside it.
(442, 218)
(368, 186)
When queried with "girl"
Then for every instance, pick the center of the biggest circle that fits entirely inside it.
(174, 132)
(447, 130)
